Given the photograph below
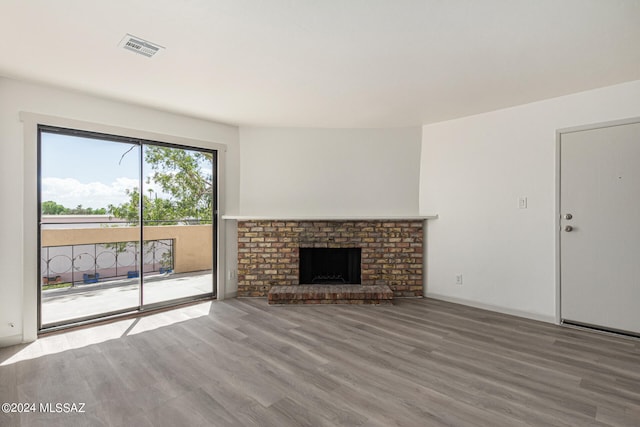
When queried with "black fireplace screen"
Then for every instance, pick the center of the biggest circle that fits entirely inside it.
(330, 265)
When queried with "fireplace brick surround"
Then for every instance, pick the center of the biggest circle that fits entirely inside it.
(392, 252)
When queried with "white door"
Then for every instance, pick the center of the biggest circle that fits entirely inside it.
(600, 227)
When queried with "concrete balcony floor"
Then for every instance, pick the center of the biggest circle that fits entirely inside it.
(83, 300)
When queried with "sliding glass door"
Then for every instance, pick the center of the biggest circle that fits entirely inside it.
(125, 225)
(178, 202)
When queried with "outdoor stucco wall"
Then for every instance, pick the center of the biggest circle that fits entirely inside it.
(193, 244)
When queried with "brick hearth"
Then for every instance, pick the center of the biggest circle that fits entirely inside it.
(331, 294)
(268, 252)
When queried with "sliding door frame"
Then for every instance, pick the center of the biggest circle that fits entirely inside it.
(214, 225)
(31, 323)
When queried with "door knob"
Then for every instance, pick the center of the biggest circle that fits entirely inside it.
(568, 228)
(567, 216)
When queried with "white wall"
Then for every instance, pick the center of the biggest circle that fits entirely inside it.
(306, 172)
(472, 172)
(18, 286)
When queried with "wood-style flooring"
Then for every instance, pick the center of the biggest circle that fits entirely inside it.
(241, 362)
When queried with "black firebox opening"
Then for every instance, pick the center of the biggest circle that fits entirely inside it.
(330, 265)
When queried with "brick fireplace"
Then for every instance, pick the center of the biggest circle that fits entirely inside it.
(269, 252)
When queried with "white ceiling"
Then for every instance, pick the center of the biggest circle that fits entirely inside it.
(324, 63)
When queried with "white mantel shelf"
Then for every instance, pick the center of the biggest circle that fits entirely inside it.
(328, 218)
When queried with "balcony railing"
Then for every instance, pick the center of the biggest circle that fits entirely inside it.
(90, 263)
(94, 248)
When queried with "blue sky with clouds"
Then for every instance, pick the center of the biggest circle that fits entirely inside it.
(91, 172)
(88, 172)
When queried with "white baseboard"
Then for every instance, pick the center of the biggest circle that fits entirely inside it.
(498, 309)
(9, 341)
(233, 294)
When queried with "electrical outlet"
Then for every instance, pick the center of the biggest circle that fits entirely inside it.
(458, 279)
(522, 202)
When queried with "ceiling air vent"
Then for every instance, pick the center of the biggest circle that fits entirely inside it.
(141, 46)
